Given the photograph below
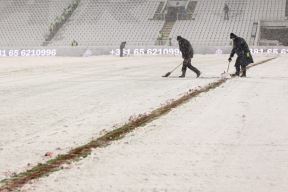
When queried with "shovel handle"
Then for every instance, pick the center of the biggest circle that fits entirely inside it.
(176, 67)
(228, 66)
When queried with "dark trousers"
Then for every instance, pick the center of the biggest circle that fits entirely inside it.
(226, 16)
(187, 64)
(240, 65)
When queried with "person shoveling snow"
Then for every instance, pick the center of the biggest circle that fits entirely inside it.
(242, 50)
(187, 54)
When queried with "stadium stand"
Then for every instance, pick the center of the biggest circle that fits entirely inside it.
(286, 9)
(109, 22)
(209, 27)
(159, 10)
(25, 23)
(274, 33)
(60, 21)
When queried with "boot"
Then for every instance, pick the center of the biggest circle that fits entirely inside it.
(237, 66)
(243, 74)
(183, 74)
(198, 74)
(235, 74)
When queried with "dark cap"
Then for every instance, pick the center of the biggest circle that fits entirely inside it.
(179, 38)
(232, 36)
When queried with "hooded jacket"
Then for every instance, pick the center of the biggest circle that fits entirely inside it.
(241, 48)
(185, 48)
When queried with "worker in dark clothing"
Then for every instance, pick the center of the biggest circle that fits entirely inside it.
(242, 50)
(122, 46)
(187, 54)
(226, 12)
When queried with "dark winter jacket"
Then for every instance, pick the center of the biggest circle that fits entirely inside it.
(186, 48)
(226, 8)
(122, 45)
(241, 48)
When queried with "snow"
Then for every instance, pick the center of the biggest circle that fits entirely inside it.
(55, 104)
(229, 139)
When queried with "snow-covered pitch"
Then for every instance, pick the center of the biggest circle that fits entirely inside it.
(231, 139)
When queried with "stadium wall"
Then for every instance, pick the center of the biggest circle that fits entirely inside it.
(129, 51)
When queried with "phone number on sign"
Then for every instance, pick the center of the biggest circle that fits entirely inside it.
(127, 52)
(269, 51)
(28, 53)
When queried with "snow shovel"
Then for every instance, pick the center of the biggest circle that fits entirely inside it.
(169, 73)
(226, 74)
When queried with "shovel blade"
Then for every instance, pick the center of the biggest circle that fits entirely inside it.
(225, 75)
(167, 74)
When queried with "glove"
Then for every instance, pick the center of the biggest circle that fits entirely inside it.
(230, 59)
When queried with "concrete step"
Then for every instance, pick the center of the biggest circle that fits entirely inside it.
(166, 30)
